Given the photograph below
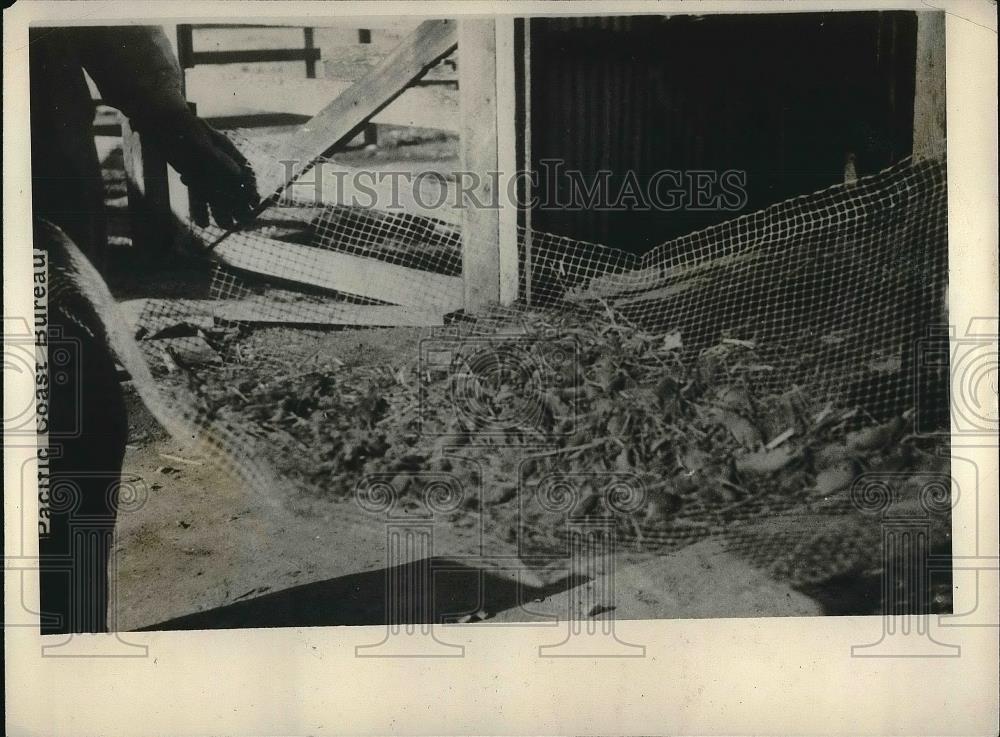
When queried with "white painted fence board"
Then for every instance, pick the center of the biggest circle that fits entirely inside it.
(341, 272)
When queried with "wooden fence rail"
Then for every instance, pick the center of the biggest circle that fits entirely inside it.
(189, 58)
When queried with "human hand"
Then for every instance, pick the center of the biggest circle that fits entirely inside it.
(210, 165)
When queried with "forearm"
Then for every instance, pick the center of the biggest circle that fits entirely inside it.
(135, 69)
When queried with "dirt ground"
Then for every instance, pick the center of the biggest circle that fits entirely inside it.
(203, 541)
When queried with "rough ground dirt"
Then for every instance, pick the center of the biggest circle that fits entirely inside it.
(203, 541)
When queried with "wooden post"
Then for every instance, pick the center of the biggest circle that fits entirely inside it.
(528, 192)
(477, 86)
(151, 219)
(929, 95)
(371, 129)
(185, 45)
(507, 158)
(307, 34)
(196, 209)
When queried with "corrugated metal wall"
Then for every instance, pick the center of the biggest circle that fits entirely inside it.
(782, 97)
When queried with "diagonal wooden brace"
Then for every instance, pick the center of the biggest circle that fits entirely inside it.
(346, 116)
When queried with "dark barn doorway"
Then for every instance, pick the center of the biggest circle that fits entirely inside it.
(785, 98)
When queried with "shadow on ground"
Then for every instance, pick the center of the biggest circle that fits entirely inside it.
(437, 590)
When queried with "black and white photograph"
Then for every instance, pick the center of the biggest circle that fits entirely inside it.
(481, 321)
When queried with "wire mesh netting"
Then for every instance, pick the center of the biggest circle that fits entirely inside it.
(758, 382)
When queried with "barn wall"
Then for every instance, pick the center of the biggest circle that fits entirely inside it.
(782, 97)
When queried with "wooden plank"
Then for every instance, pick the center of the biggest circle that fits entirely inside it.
(478, 102)
(154, 314)
(528, 193)
(929, 97)
(307, 38)
(340, 272)
(256, 120)
(506, 159)
(182, 203)
(222, 93)
(150, 216)
(185, 45)
(237, 26)
(279, 313)
(344, 22)
(343, 118)
(371, 130)
(437, 82)
(186, 203)
(251, 56)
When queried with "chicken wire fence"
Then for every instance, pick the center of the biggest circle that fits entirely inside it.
(762, 382)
